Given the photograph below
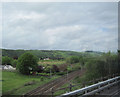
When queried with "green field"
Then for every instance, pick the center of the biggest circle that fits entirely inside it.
(51, 62)
(14, 83)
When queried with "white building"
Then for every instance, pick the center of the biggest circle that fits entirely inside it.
(47, 59)
(7, 67)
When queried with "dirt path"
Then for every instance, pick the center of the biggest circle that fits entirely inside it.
(46, 88)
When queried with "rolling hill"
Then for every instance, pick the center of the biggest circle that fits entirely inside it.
(53, 54)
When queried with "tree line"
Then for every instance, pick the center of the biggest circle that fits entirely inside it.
(99, 66)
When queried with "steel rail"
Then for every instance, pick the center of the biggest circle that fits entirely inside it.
(91, 87)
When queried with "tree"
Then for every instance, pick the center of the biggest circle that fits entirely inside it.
(6, 60)
(14, 63)
(26, 63)
(72, 59)
(95, 69)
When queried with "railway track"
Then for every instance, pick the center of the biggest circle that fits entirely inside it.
(117, 92)
(46, 88)
(55, 86)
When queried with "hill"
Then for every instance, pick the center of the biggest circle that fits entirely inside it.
(53, 54)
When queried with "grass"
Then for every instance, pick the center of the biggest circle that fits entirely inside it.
(13, 82)
(51, 62)
(59, 92)
(73, 82)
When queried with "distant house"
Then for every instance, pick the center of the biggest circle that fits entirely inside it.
(7, 67)
(47, 59)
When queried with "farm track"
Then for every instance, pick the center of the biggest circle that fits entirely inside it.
(46, 88)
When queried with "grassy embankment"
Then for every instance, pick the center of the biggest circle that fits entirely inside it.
(14, 83)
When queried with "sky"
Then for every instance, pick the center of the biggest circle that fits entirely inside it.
(60, 26)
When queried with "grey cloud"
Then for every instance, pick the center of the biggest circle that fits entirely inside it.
(67, 26)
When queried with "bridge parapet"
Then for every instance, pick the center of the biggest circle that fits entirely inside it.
(93, 89)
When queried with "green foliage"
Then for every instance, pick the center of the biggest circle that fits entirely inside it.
(13, 82)
(26, 63)
(50, 62)
(6, 60)
(74, 67)
(52, 54)
(82, 60)
(61, 73)
(69, 69)
(107, 64)
(55, 68)
(51, 68)
(48, 68)
(72, 59)
(95, 69)
(14, 63)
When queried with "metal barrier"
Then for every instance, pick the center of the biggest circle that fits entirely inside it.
(94, 88)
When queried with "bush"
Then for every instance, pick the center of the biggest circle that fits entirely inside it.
(26, 63)
(6, 60)
(69, 69)
(39, 69)
(55, 68)
(47, 69)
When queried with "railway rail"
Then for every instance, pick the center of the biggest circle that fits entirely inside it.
(46, 88)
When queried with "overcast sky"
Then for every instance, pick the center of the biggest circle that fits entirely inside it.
(60, 26)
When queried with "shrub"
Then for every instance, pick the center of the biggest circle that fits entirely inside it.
(6, 60)
(55, 68)
(39, 69)
(47, 69)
